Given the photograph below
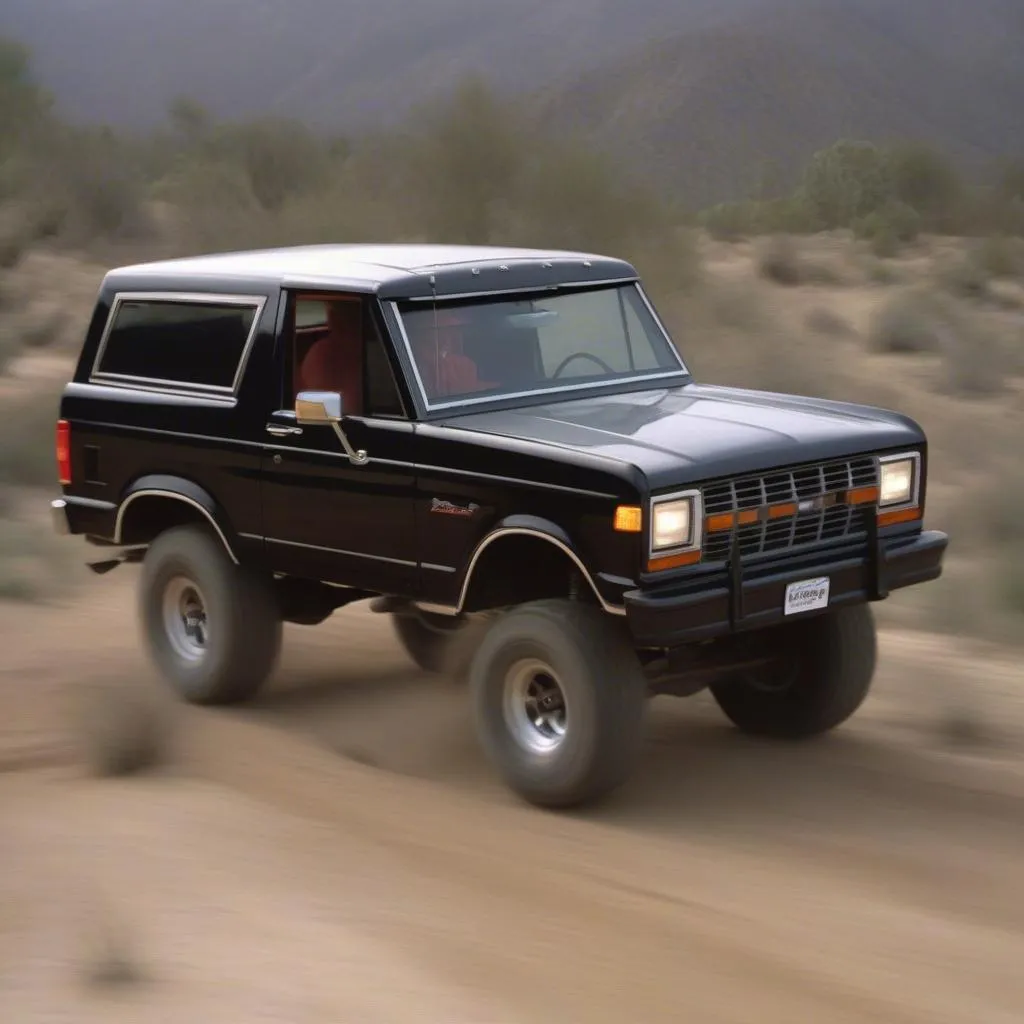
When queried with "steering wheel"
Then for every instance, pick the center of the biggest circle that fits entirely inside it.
(581, 355)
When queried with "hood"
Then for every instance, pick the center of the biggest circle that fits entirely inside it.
(698, 432)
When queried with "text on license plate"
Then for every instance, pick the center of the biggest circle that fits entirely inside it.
(806, 595)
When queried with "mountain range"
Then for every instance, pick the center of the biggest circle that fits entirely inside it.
(703, 96)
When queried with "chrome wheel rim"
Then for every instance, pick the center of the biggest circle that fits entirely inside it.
(535, 707)
(185, 620)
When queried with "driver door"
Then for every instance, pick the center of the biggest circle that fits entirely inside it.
(325, 517)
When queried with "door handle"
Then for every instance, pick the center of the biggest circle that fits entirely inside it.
(280, 430)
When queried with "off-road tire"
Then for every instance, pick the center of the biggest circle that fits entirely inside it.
(833, 664)
(605, 693)
(244, 638)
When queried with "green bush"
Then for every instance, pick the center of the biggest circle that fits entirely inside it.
(847, 182)
(889, 228)
(927, 183)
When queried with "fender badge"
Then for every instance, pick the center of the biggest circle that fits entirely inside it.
(447, 508)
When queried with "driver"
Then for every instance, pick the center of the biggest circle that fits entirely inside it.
(444, 367)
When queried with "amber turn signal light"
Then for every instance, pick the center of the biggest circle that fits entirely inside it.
(629, 519)
(673, 561)
(900, 515)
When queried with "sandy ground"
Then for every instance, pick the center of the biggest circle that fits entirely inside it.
(340, 851)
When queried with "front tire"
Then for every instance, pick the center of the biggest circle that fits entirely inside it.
(212, 628)
(824, 672)
(560, 702)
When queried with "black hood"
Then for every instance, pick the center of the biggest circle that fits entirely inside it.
(698, 432)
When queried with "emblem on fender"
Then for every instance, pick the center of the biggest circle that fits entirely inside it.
(447, 508)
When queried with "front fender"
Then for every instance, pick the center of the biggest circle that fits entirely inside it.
(542, 529)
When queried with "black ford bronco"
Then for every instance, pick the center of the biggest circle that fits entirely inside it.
(503, 450)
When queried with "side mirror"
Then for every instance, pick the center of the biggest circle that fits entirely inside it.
(323, 408)
(312, 407)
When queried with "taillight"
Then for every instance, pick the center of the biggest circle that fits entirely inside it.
(64, 451)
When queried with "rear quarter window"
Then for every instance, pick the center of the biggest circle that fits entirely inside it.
(190, 343)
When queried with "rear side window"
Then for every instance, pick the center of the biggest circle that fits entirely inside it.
(191, 343)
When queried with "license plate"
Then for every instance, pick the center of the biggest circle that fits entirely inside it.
(806, 595)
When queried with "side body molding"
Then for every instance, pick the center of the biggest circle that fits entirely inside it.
(541, 529)
(176, 488)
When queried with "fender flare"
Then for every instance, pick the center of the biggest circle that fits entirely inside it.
(541, 529)
(176, 488)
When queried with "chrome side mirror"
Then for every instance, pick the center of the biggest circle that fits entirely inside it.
(313, 408)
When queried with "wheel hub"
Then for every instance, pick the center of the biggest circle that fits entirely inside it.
(535, 706)
(185, 621)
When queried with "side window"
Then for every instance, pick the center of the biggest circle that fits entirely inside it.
(190, 343)
(336, 347)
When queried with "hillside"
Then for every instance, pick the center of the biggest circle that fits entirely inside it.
(709, 97)
(709, 112)
(335, 64)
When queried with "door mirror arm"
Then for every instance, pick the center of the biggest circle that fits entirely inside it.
(315, 408)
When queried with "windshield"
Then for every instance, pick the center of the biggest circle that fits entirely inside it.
(487, 348)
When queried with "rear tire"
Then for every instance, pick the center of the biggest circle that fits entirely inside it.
(825, 671)
(560, 702)
(212, 628)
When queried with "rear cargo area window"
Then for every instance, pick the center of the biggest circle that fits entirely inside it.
(189, 343)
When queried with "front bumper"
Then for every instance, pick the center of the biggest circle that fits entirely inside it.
(744, 598)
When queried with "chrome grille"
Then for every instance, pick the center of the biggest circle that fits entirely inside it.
(834, 522)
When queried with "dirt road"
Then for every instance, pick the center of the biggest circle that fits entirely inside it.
(341, 852)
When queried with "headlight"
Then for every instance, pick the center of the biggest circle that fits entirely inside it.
(675, 523)
(672, 523)
(898, 480)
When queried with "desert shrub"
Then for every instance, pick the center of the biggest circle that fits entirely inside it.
(962, 276)
(927, 183)
(906, 323)
(999, 256)
(976, 362)
(779, 260)
(1010, 577)
(822, 320)
(10, 346)
(33, 564)
(42, 327)
(846, 182)
(889, 228)
(1000, 506)
(879, 271)
(27, 450)
(730, 222)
